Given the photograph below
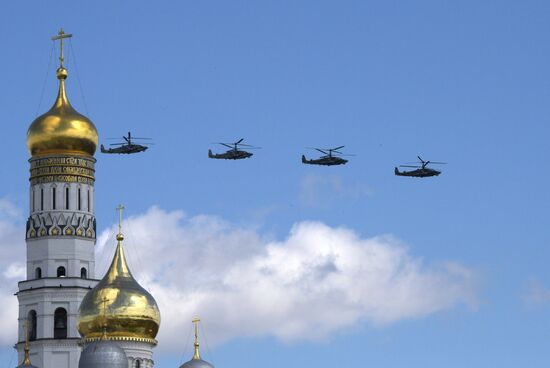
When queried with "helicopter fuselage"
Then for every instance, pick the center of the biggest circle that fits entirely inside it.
(325, 161)
(125, 149)
(419, 173)
(232, 154)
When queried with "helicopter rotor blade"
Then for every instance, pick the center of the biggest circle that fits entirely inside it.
(239, 141)
(337, 148)
(437, 163)
(322, 151)
(410, 166)
(421, 160)
(117, 144)
(227, 145)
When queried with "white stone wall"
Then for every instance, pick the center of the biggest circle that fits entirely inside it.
(49, 253)
(37, 204)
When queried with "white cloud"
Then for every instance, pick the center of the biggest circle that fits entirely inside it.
(317, 281)
(12, 250)
(9, 211)
(321, 191)
(536, 294)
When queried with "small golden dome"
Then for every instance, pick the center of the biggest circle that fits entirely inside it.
(62, 129)
(118, 306)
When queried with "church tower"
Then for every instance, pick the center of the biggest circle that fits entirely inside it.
(60, 232)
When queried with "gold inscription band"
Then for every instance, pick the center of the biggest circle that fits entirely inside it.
(68, 169)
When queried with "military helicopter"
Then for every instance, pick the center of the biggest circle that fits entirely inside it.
(421, 171)
(127, 147)
(234, 153)
(329, 159)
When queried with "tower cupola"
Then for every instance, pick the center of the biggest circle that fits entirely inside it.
(62, 129)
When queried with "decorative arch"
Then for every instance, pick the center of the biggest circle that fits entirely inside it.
(84, 273)
(37, 273)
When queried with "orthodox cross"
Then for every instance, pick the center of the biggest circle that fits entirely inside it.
(196, 321)
(61, 36)
(120, 208)
(27, 359)
(104, 302)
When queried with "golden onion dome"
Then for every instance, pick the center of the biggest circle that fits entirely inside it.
(62, 129)
(118, 306)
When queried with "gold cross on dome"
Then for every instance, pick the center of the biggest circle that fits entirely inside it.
(120, 208)
(61, 36)
(104, 302)
(196, 321)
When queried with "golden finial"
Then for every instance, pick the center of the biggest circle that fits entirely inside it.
(119, 236)
(27, 359)
(196, 321)
(104, 302)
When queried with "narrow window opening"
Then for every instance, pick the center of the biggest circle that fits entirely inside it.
(83, 273)
(61, 271)
(53, 198)
(32, 325)
(33, 204)
(79, 208)
(41, 199)
(89, 210)
(67, 198)
(38, 273)
(60, 324)
(138, 363)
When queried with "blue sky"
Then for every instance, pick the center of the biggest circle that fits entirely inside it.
(464, 82)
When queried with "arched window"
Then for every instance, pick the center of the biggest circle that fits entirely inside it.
(60, 324)
(53, 198)
(61, 271)
(31, 318)
(79, 206)
(38, 273)
(41, 199)
(83, 273)
(138, 363)
(89, 200)
(67, 198)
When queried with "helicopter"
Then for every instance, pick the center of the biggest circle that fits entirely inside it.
(328, 159)
(421, 171)
(127, 147)
(234, 153)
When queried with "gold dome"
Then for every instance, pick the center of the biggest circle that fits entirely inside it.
(119, 306)
(62, 129)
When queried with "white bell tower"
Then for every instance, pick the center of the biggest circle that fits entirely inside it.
(61, 231)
